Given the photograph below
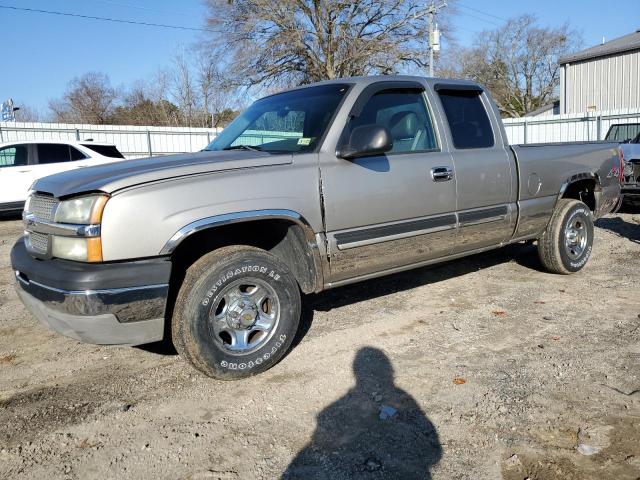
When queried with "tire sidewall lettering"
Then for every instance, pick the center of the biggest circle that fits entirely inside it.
(257, 361)
(269, 351)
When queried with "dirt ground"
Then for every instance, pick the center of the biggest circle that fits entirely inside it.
(483, 368)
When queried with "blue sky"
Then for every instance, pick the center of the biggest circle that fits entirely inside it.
(43, 52)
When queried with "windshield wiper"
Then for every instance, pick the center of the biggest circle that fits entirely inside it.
(243, 147)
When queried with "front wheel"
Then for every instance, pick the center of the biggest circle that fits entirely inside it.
(236, 313)
(566, 245)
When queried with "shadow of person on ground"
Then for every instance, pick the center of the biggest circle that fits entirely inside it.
(376, 430)
(620, 227)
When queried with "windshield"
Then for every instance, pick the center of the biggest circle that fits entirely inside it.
(290, 122)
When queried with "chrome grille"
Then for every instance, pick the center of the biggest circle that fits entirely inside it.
(42, 206)
(38, 242)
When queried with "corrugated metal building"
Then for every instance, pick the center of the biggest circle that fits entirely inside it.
(604, 77)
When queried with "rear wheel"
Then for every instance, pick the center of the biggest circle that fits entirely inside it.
(565, 247)
(236, 313)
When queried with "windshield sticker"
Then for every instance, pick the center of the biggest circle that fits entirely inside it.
(304, 141)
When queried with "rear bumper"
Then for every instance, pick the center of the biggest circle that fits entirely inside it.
(106, 304)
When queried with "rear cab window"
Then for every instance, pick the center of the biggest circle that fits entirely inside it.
(105, 150)
(467, 118)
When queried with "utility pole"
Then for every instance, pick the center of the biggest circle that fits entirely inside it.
(434, 35)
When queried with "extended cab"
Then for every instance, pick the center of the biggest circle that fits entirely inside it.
(309, 189)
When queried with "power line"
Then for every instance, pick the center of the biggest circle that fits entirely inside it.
(481, 12)
(140, 7)
(107, 19)
(481, 19)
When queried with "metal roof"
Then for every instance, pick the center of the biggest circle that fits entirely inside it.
(618, 45)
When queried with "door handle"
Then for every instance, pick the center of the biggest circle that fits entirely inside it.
(441, 174)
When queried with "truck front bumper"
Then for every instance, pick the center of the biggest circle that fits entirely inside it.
(120, 303)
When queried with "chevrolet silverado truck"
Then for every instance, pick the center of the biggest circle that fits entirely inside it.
(313, 188)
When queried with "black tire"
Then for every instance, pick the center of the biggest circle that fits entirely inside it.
(558, 248)
(208, 284)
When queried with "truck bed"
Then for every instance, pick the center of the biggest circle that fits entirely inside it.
(544, 171)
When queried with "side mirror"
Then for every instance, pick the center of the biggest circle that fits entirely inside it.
(367, 140)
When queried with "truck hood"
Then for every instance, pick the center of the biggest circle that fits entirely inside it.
(112, 177)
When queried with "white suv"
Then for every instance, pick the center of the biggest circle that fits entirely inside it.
(23, 162)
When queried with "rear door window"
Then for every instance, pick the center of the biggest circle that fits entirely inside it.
(468, 120)
(105, 150)
(53, 153)
(14, 156)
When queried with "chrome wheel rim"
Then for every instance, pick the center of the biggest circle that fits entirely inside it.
(245, 315)
(576, 237)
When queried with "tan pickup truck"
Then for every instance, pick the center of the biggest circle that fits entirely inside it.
(309, 189)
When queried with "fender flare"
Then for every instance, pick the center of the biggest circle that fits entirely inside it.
(252, 215)
(576, 178)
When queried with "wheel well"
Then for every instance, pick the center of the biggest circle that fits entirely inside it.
(284, 239)
(583, 190)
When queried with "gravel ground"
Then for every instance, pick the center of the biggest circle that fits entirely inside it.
(482, 368)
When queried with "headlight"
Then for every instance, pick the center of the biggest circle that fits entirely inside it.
(85, 210)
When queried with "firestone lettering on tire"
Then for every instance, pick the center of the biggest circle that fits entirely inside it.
(257, 361)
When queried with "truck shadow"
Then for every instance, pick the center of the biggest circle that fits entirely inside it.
(375, 430)
(620, 227)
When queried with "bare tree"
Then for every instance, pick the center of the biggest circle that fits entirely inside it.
(298, 41)
(159, 91)
(89, 99)
(139, 107)
(518, 63)
(218, 98)
(184, 90)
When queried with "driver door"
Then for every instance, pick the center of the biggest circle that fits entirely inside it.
(387, 211)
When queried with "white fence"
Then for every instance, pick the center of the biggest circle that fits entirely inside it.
(132, 141)
(135, 142)
(567, 128)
